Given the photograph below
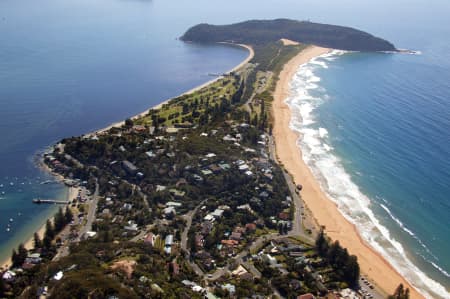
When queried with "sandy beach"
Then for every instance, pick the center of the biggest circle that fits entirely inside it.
(326, 213)
(251, 53)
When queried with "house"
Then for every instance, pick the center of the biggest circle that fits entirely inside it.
(236, 236)
(160, 188)
(139, 128)
(240, 270)
(306, 296)
(244, 167)
(250, 227)
(283, 216)
(230, 288)
(239, 229)
(150, 239)
(127, 206)
(9, 276)
(168, 244)
(177, 193)
(174, 268)
(206, 227)
(229, 243)
(131, 226)
(129, 167)
(199, 241)
(33, 258)
(269, 259)
(224, 166)
(172, 130)
(181, 182)
(214, 168)
(246, 276)
(173, 204)
(150, 154)
(169, 210)
(209, 217)
(217, 213)
(206, 172)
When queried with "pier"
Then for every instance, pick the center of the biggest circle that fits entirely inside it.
(50, 201)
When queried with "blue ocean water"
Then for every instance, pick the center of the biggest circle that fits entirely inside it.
(378, 121)
(379, 145)
(70, 67)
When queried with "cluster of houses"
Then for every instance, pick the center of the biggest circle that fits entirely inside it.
(154, 240)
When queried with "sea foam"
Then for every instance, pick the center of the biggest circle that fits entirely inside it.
(306, 96)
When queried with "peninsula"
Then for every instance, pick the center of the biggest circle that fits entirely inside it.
(205, 195)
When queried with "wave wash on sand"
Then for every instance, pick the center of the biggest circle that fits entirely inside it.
(306, 95)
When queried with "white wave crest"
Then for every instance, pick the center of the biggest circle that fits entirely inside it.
(338, 184)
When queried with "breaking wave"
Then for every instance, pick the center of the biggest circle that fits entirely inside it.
(306, 96)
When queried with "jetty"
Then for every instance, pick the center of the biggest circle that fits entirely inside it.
(50, 201)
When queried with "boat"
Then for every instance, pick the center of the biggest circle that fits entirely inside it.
(47, 182)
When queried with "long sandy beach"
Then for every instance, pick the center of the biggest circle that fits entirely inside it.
(326, 213)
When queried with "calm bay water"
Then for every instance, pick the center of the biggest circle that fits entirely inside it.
(69, 67)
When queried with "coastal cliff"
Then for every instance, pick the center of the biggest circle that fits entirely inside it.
(260, 32)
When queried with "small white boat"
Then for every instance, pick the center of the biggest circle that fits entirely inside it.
(8, 229)
(11, 220)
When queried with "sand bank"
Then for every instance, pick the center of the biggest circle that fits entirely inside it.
(323, 209)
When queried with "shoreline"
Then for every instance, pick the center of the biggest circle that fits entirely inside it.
(28, 241)
(72, 191)
(194, 89)
(325, 212)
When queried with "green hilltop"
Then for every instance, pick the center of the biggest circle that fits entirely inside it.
(260, 32)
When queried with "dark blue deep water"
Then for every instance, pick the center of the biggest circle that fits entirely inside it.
(379, 121)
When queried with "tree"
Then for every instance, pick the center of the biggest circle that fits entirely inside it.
(322, 243)
(14, 258)
(18, 257)
(59, 220)
(49, 233)
(400, 293)
(68, 215)
(128, 122)
(37, 242)
(351, 271)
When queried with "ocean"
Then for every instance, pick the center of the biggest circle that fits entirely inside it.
(379, 146)
(375, 126)
(71, 67)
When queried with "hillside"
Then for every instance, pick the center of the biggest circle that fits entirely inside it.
(260, 32)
